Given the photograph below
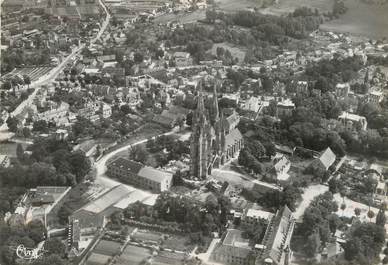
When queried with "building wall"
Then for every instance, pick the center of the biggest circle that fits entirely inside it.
(137, 180)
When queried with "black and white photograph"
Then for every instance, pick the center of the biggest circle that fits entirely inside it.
(194, 132)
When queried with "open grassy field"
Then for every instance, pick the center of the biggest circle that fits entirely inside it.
(361, 19)
(287, 6)
(234, 5)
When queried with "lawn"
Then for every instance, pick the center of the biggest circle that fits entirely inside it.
(235, 5)
(287, 6)
(361, 19)
(133, 255)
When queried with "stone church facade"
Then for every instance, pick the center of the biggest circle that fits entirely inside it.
(215, 138)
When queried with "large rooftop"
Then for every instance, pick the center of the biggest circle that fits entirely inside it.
(107, 199)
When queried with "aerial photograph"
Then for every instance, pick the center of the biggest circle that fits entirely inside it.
(194, 132)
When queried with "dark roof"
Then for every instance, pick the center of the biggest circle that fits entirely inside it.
(43, 199)
(278, 235)
(129, 165)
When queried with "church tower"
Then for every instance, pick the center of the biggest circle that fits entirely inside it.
(200, 140)
(216, 121)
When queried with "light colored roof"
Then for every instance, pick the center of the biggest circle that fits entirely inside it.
(108, 199)
(259, 214)
(154, 174)
(134, 196)
(92, 70)
(350, 116)
(282, 162)
(327, 158)
(232, 137)
(286, 103)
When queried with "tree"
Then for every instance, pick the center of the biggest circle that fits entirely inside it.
(27, 80)
(371, 214)
(12, 124)
(313, 244)
(20, 152)
(80, 165)
(365, 241)
(343, 207)
(55, 246)
(138, 154)
(381, 218)
(40, 126)
(357, 211)
(138, 57)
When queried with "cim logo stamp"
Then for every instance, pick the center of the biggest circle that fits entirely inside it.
(29, 253)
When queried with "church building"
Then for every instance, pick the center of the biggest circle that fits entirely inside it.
(215, 138)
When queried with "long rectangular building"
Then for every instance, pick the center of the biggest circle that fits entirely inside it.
(137, 174)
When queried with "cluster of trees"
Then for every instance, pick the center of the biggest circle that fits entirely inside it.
(319, 223)
(51, 163)
(253, 152)
(29, 235)
(226, 56)
(166, 148)
(274, 199)
(339, 8)
(327, 73)
(365, 243)
(12, 58)
(180, 213)
(193, 216)
(255, 231)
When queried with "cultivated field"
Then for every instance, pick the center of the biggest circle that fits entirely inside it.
(361, 19)
(33, 72)
(181, 17)
(287, 6)
(133, 255)
(234, 5)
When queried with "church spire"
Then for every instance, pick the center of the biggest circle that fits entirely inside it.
(200, 103)
(215, 110)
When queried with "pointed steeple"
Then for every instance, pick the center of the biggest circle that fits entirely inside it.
(215, 110)
(200, 103)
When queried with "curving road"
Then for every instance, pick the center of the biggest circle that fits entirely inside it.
(100, 165)
(47, 78)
